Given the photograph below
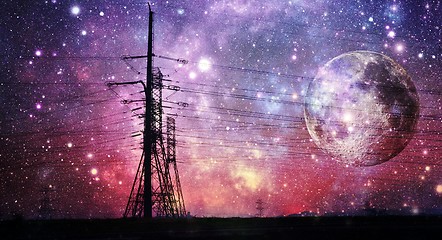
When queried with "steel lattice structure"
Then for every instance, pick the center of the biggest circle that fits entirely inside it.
(171, 159)
(154, 191)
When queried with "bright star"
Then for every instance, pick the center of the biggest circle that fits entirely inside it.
(391, 34)
(439, 188)
(204, 65)
(75, 10)
(399, 48)
(192, 75)
(347, 117)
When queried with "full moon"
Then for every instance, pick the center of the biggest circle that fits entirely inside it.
(361, 108)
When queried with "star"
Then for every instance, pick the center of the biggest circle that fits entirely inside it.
(75, 10)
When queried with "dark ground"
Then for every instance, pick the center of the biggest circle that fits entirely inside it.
(374, 227)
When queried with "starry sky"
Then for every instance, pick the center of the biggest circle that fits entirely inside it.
(68, 144)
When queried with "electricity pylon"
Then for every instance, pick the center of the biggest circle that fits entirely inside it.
(260, 208)
(153, 190)
(171, 159)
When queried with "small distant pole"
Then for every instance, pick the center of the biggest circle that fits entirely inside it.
(260, 208)
(46, 209)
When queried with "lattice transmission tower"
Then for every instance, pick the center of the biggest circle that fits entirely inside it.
(155, 190)
(260, 207)
(171, 159)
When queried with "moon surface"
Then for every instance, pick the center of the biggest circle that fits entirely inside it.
(361, 108)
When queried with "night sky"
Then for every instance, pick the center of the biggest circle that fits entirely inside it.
(66, 145)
